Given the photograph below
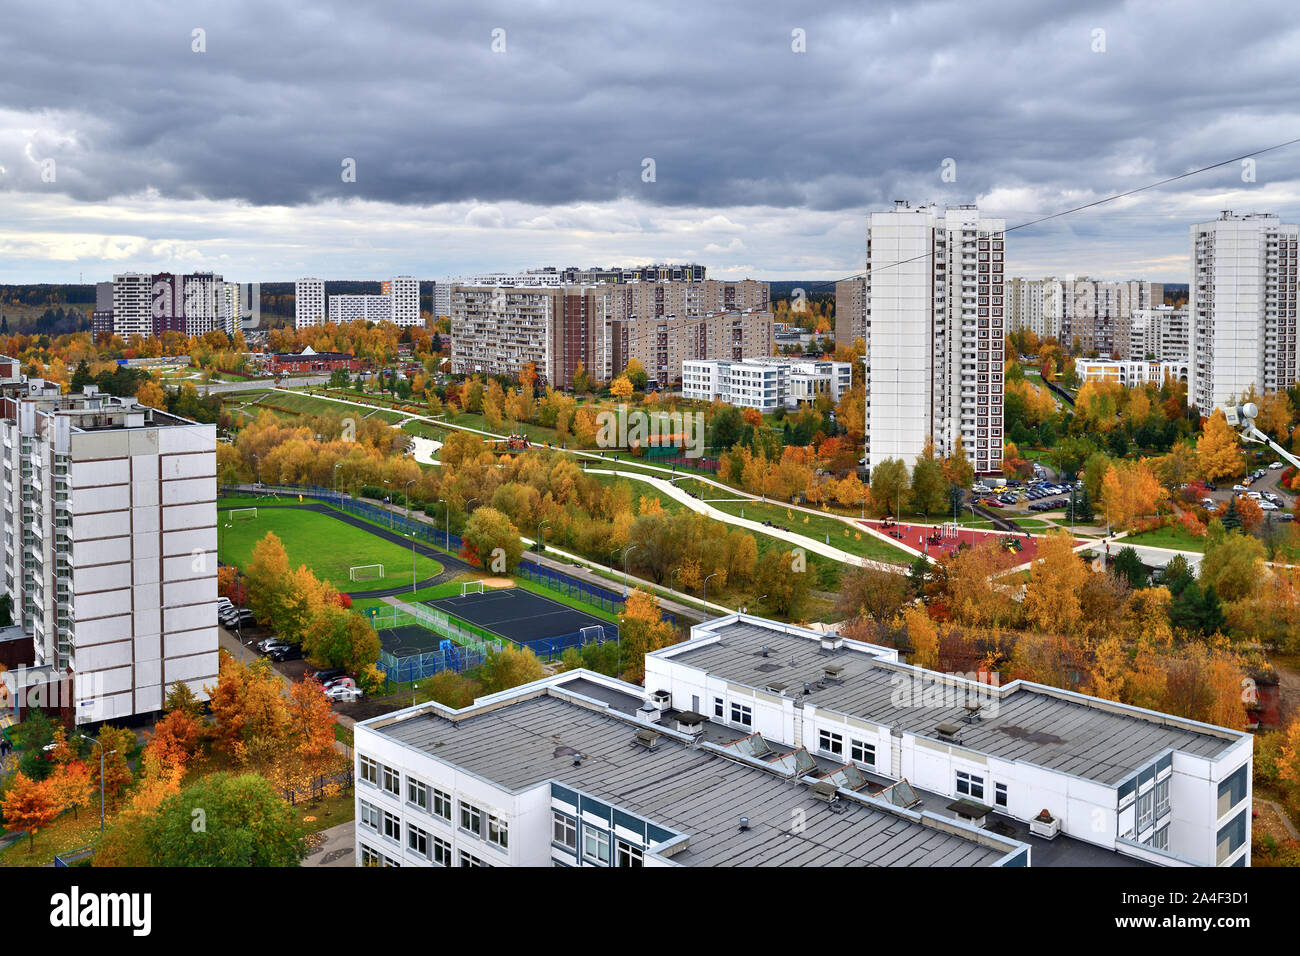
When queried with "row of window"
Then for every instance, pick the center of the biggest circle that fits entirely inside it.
(860, 751)
(372, 857)
(972, 785)
(473, 820)
(741, 714)
(596, 843)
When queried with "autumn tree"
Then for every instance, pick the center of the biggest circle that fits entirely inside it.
(889, 485)
(337, 637)
(267, 575)
(71, 786)
(783, 577)
(621, 388)
(29, 806)
(509, 666)
(922, 636)
(1052, 597)
(1217, 452)
(928, 492)
(872, 591)
(642, 629)
(1233, 563)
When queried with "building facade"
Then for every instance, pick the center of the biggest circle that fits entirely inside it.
(360, 308)
(111, 544)
(1139, 784)
(1161, 334)
(1242, 307)
(765, 383)
(852, 320)
(1130, 374)
(308, 303)
(935, 294)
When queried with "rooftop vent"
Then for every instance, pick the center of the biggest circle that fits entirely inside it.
(826, 791)
(832, 641)
(832, 672)
(972, 711)
(776, 687)
(763, 650)
(577, 760)
(689, 722)
(948, 730)
(661, 700)
(744, 824)
(647, 739)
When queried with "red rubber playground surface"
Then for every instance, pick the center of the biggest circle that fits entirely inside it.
(915, 535)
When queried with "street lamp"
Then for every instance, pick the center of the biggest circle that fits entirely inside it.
(337, 465)
(706, 593)
(626, 577)
(411, 535)
(407, 489)
(468, 503)
(446, 511)
(540, 544)
(101, 777)
(670, 577)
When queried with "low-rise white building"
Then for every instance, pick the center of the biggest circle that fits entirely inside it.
(1132, 374)
(1140, 784)
(765, 383)
(579, 770)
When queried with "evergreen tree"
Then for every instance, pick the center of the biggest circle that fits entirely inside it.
(1232, 517)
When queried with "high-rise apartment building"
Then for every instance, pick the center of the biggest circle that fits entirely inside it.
(405, 293)
(308, 303)
(1242, 307)
(149, 304)
(852, 320)
(1160, 334)
(937, 310)
(1035, 305)
(1096, 314)
(110, 544)
(360, 308)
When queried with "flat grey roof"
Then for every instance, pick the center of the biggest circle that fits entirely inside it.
(693, 792)
(1070, 736)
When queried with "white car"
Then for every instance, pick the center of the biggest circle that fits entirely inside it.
(344, 693)
(1276, 465)
(1254, 494)
(1267, 506)
(1238, 489)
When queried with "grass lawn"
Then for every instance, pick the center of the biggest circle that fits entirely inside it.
(854, 541)
(1175, 537)
(449, 589)
(62, 836)
(327, 546)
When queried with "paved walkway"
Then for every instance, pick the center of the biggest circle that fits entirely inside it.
(337, 847)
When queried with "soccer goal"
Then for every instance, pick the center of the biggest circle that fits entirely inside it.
(593, 634)
(243, 514)
(471, 587)
(366, 572)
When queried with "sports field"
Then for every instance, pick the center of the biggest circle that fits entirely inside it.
(326, 545)
(519, 615)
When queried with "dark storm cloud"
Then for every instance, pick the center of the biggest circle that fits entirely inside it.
(1013, 92)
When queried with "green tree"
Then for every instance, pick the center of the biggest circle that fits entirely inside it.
(495, 540)
(336, 637)
(1232, 564)
(1130, 567)
(928, 493)
(888, 486)
(509, 667)
(783, 577)
(222, 820)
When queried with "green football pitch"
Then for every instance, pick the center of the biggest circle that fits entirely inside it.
(326, 545)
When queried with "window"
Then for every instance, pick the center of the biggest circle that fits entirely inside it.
(369, 857)
(498, 832)
(1162, 798)
(417, 793)
(417, 840)
(595, 845)
(740, 714)
(1000, 794)
(441, 852)
(830, 743)
(392, 781)
(969, 785)
(471, 819)
(1160, 839)
(564, 830)
(1146, 810)
(369, 770)
(392, 826)
(629, 855)
(1232, 790)
(1232, 836)
(862, 752)
(717, 707)
(442, 804)
(369, 816)
(469, 859)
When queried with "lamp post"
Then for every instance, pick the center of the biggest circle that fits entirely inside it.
(468, 503)
(388, 503)
(446, 511)
(407, 489)
(626, 577)
(337, 465)
(541, 546)
(706, 594)
(101, 777)
(670, 577)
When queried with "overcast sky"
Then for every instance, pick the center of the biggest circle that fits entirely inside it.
(765, 160)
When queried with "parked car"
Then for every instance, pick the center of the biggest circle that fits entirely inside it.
(285, 652)
(1285, 516)
(1255, 495)
(344, 681)
(1210, 486)
(1269, 496)
(330, 674)
(343, 693)
(1238, 489)
(1268, 506)
(1276, 465)
(1207, 503)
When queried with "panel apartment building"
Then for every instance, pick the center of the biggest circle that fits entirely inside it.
(1243, 307)
(147, 305)
(110, 544)
(499, 327)
(936, 306)
(308, 303)
(1139, 785)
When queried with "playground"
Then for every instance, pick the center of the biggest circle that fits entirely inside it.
(934, 540)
